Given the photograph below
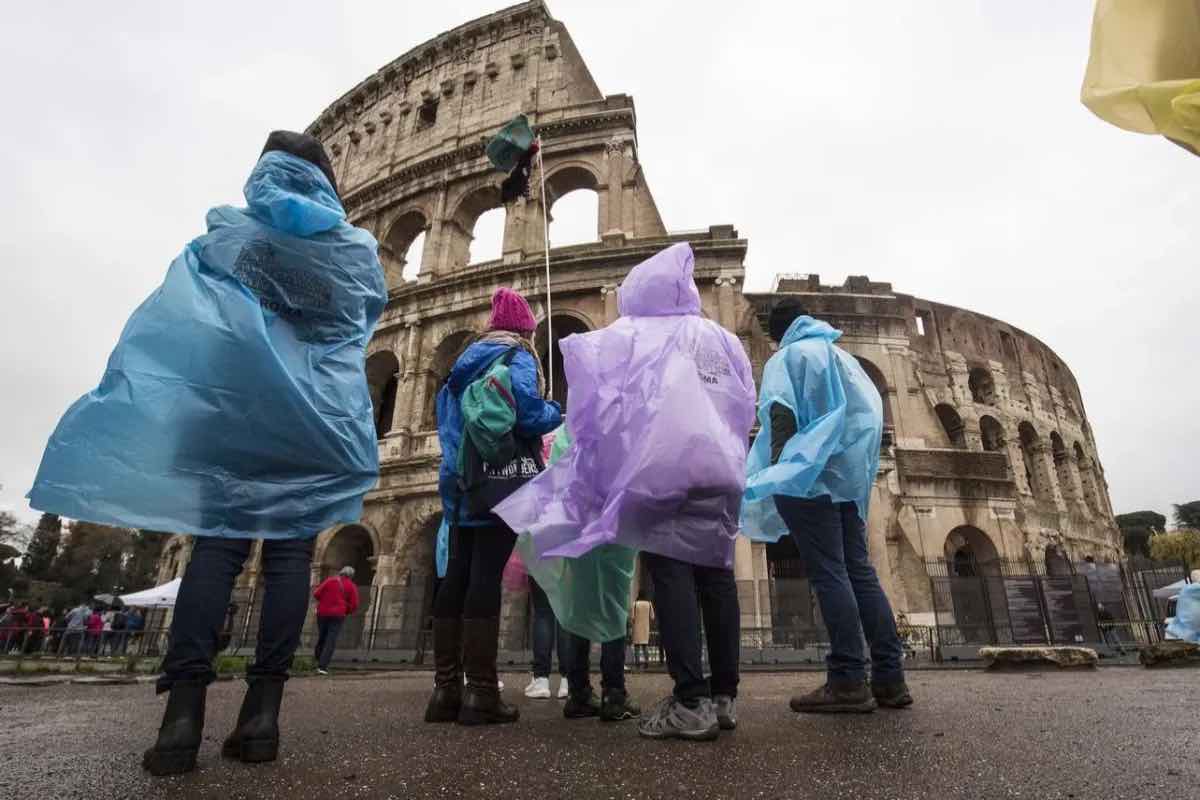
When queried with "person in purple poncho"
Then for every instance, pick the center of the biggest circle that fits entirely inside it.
(660, 408)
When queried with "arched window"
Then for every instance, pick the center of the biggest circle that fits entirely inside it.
(564, 325)
(1057, 563)
(574, 211)
(383, 379)
(877, 378)
(475, 231)
(952, 424)
(971, 558)
(444, 356)
(1031, 454)
(983, 389)
(402, 249)
(992, 433)
(351, 546)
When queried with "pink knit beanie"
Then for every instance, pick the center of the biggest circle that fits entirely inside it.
(510, 312)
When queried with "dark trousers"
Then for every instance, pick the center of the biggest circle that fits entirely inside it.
(612, 664)
(471, 588)
(832, 540)
(204, 596)
(546, 633)
(683, 595)
(328, 629)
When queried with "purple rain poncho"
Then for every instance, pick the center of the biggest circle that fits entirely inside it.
(659, 408)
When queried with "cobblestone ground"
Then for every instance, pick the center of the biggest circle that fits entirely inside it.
(1116, 732)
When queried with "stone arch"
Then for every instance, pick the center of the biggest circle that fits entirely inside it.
(459, 229)
(576, 179)
(566, 323)
(881, 385)
(1057, 563)
(1031, 452)
(992, 434)
(356, 545)
(383, 379)
(982, 386)
(952, 425)
(397, 251)
(970, 552)
(440, 363)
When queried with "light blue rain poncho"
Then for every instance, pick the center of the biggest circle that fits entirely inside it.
(839, 421)
(236, 403)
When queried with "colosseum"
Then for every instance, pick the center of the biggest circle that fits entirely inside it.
(988, 458)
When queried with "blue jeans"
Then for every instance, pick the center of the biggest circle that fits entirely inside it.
(204, 595)
(832, 540)
(546, 631)
(328, 629)
(612, 663)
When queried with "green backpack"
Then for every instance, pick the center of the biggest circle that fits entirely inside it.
(489, 411)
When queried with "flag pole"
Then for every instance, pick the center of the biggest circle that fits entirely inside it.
(546, 251)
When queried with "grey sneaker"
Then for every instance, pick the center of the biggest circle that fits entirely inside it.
(726, 710)
(671, 719)
(892, 695)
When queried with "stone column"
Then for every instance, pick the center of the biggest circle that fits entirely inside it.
(726, 315)
(896, 372)
(433, 256)
(612, 225)
(609, 293)
(956, 368)
(408, 387)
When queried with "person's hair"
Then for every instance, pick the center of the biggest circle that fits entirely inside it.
(782, 316)
(347, 572)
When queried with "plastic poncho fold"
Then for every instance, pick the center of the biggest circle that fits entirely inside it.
(235, 402)
(590, 594)
(1185, 624)
(1143, 73)
(839, 422)
(660, 406)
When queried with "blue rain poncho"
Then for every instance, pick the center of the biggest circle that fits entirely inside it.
(236, 402)
(839, 422)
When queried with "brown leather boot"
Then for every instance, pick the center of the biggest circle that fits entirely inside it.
(447, 677)
(481, 703)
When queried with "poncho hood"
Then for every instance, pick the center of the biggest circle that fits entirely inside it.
(292, 195)
(661, 286)
(805, 327)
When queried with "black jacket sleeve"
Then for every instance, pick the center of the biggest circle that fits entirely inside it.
(783, 428)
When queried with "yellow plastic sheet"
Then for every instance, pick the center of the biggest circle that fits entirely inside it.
(1143, 74)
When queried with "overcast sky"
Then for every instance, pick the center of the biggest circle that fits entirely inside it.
(938, 145)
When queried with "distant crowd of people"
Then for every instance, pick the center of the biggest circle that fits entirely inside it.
(93, 629)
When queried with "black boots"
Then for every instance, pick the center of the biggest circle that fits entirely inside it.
(447, 677)
(256, 737)
(179, 735)
(481, 703)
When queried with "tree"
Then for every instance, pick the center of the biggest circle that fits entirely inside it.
(92, 559)
(1181, 545)
(1187, 515)
(1136, 529)
(141, 565)
(12, 532)
(43, 547)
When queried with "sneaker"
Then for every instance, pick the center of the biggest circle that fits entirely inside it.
(854, 698)
(892, 695)
(581, 705)
(726, 708)
(617, 706)
(564, 689)
(321, 671)
(671, 719)
(538, 689)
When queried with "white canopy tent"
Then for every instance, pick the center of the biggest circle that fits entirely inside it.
(158, 597)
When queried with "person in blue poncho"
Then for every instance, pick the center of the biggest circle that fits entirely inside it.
(235, 407)
(810, 473)
(466, 611)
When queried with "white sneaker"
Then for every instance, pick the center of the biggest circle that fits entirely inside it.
(538, 689)
(563, 689)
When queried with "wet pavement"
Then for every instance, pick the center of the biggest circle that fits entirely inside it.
(1110, 733)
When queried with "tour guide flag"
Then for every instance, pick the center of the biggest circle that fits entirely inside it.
(1144, 71)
